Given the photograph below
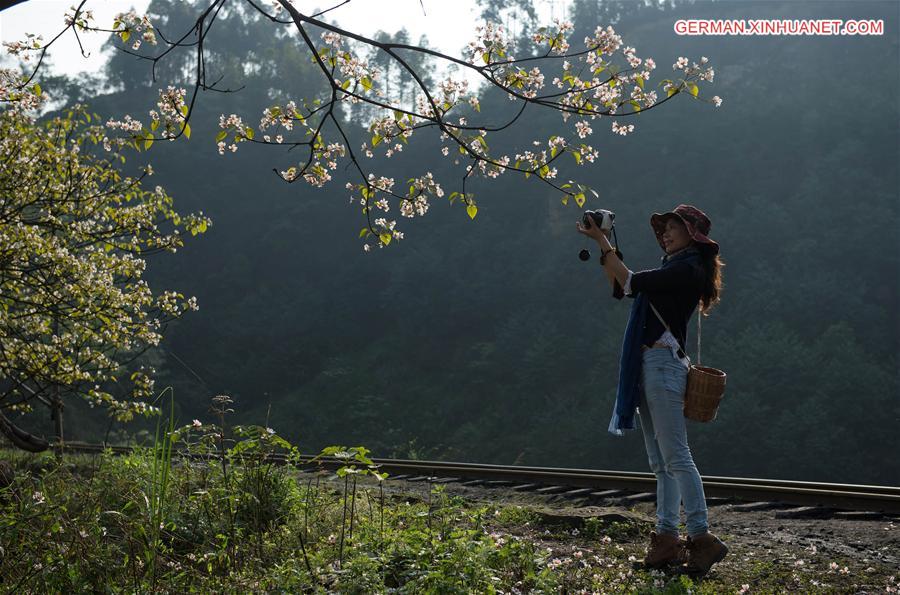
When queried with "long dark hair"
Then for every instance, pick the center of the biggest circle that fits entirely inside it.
(712, 265)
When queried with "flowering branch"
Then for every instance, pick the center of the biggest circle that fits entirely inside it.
(587, 84)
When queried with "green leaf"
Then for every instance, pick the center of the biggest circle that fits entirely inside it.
(694, 89)
(565, 199)
(125, 35)
(37, 89)
(579, 198)
(345, 85)
(472, 210)
(385, 238)
(486, 57)
(249, 133)
(577, 156)
(671, 91)
(376, 140)
(187, 130)
(640, 81)
(366, 83)
(154, 125)
(148, 142)
(222, 134)
(363, 231)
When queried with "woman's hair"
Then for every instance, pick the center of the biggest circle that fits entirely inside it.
(712, 266)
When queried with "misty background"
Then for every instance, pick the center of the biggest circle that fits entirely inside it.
(488, 340)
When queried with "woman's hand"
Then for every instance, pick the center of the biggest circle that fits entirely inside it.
(592, 231)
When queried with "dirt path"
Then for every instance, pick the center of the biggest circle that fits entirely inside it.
(781, 549)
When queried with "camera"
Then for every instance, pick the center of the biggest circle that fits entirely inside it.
(600, 218)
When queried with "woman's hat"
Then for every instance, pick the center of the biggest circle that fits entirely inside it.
(694, 219)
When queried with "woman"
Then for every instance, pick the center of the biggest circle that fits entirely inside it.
(653, 374)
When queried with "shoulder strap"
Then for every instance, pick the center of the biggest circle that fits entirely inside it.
(658, 315)
(655, 311)
(699, 316)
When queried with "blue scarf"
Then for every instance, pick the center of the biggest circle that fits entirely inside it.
(631, 359)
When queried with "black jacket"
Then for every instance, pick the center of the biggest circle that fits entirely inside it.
(675, 291)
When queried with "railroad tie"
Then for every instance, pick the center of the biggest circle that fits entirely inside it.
(805, 512)
(858, 515)
(608, 493)
(642, 497)
(754, 506)
(578, 492)
(551, 489)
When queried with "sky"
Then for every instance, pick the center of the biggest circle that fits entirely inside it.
(449, 24)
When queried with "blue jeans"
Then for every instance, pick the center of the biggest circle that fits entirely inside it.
(661, 388)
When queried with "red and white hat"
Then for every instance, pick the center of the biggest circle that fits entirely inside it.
(696, 221)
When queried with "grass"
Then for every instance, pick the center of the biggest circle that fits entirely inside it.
(238, 524)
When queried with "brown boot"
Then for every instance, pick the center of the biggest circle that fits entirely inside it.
(702, 552)
(664, 549)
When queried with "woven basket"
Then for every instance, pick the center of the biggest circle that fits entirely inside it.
(705, 389)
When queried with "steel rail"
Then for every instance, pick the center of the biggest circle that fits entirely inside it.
(836, 496)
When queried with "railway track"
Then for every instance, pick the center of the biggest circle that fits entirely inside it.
(598, 486)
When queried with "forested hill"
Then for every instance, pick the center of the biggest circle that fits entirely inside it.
(488, 339)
